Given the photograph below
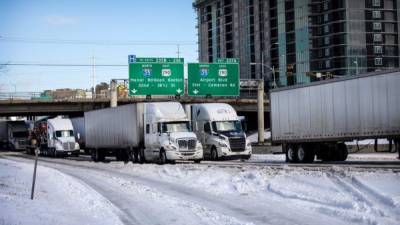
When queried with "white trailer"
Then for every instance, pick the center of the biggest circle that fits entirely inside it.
(219, 130)
(157, 131)
(316, 118)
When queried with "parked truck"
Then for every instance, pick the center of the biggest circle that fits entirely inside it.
(14, 134)
(55, 137)
(141, 132)
(219, 130)
(316, 119)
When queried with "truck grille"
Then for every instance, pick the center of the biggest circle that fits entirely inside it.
(187, 144)
(237, 144)
(69, 146)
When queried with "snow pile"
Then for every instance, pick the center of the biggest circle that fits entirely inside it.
(253, 138)
(59, 199)
(373, 157)
(368, 142)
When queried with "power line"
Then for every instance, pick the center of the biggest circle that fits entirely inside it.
(62, 65)
(94, 42)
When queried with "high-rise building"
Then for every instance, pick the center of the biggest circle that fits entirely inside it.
(300, 38)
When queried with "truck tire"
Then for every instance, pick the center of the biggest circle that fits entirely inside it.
(305, 153)
(162, 158)
(213, 154)
(341, 152)
(95, 155)
(291, 154)
(141, 157)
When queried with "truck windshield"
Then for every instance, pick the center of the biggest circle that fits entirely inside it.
(227, 126)
(175, 127)
(64, 133)
(20, 134)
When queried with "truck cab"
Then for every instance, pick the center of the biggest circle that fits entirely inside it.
(168, 135)
(219, 129)
(17, 135)
(60, 138)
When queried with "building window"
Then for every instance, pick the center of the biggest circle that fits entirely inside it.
(326, 29)
(326, 17)
(327, 42)
(376, 14)
(377, 26)
(377, 37)
(327, 52)
(376, 3)
(328, 64)
(378, 62)
(378, 49)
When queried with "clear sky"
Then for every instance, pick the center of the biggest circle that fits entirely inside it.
(42, 31)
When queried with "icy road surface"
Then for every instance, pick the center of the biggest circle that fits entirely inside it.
(83, 192)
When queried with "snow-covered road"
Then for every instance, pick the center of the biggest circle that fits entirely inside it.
(118, 193)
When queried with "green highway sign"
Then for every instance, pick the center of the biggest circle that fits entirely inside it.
(156, 76)
(215, 79)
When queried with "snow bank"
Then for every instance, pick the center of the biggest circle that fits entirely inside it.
(59, 199)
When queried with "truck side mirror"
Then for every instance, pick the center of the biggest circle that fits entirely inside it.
(78, 135)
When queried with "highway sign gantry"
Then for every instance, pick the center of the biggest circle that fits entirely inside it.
(214, 79)
(156, 76)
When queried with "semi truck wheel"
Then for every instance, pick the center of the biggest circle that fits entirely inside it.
(305, 154)
(291, 154)
(214, 154)
(162, 157)
(342, 152)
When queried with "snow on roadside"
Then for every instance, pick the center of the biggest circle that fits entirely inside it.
(59, 199)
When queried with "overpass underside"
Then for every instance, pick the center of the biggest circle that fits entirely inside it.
(77, 107)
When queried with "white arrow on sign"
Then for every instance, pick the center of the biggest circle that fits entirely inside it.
(179, 91)
(195, 91)
(134, 91)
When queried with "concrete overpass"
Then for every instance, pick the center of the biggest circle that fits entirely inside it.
(20, 107)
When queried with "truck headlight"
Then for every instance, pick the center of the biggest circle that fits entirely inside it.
(222, 144)
(77, 146)
(171, 147)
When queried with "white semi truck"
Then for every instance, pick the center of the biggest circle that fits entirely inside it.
(56, 137)
(141, 132)
(219, 129)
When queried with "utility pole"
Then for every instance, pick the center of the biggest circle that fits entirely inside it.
(260, 110)
(93, 77)
(178, 50)
(113, 94)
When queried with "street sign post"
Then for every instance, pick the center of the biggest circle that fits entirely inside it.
(214, 79)
(156, 76)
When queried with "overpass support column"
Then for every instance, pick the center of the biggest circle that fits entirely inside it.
(260, 110)
(113, 93)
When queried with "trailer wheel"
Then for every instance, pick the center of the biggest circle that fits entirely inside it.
(305, 153)
(162, 158)
(214, 154)
(341, 152)
(291, 154)
(141, 157)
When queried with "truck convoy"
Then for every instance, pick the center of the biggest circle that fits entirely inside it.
(316, 119)
(56, 137)
(156, 131)
(219, 130)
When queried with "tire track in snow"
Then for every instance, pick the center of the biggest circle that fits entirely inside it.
(368, 202)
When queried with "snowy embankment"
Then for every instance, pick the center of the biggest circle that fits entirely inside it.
(342, 196)
(59, 199)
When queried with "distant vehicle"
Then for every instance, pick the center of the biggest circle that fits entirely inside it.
(14, 135)
(219, 129)
(317, 118)
(56, 137)
(141, 132)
